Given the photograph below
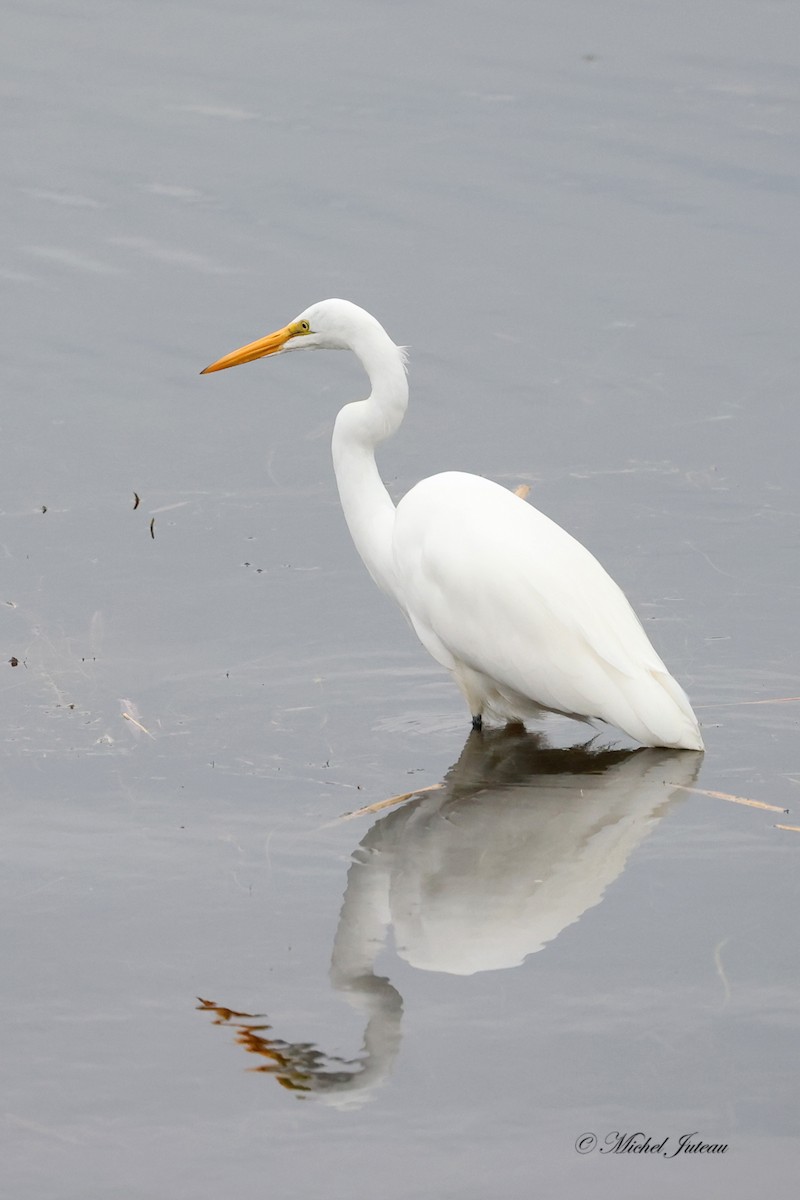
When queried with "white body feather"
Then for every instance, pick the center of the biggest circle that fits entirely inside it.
(525, 617)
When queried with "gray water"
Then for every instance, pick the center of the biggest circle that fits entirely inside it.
(583, 219)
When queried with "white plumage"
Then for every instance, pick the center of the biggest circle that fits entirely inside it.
(521, 613)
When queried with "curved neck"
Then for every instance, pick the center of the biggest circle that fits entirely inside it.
(360, 427)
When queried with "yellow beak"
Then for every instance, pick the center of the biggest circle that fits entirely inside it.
(270, 344)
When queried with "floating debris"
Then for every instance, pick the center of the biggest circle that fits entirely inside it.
(732, 799)
(741, 703)
(136, 501)
(720, 969)
(393, 800)
(131, 713)
(153, 528)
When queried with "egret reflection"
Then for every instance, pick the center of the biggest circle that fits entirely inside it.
(519, 843)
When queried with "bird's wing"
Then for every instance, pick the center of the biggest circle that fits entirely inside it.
(506, 591)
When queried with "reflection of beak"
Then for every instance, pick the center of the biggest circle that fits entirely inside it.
(270, 344)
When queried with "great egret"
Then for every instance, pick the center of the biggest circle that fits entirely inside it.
(521, 613)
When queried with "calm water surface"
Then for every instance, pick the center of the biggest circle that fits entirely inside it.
(583, 220)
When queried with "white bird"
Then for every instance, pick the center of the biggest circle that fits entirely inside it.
(521, 613)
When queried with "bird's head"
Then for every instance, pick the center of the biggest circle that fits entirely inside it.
(327, 325)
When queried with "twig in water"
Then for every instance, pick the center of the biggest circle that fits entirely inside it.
(743, 703)
(380, 804)
(127, 717)
(721, 969)
(733, 799)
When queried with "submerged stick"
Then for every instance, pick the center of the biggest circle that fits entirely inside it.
(720, 969)
(380, 804)
(744, 703)
(127, 717)
(732, 799)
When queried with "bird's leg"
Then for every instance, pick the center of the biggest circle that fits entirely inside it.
(475, 689)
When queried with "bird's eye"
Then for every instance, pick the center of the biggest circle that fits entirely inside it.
(304, 326)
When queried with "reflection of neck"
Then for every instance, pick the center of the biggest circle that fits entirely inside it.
(359, 938)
